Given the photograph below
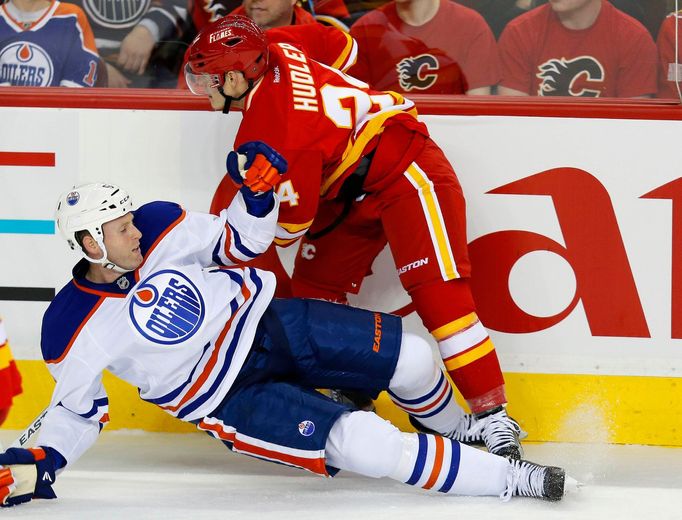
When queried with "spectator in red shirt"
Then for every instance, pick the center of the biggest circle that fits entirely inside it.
(266, 13)
(669, 68)
(581, 48)
(426, 46)
(274, 13)
(498, 13)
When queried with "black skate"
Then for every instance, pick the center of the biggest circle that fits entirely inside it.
(498, 434)
(527, 479)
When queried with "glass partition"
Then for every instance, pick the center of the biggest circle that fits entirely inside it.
(565, 48)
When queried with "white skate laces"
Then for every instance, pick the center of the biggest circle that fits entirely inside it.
(467, 431)
(500, 434)
(497, 431)
(528, 479)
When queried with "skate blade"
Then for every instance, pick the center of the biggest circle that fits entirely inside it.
(572, 486)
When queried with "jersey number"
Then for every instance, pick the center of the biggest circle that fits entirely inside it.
(345, 105)
(91, 76)
(287, 193)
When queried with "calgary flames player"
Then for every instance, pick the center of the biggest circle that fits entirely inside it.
(365, 169)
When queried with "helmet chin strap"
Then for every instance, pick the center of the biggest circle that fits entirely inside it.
(104, 261)
(230, 99)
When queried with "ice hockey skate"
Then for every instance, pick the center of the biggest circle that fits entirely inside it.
(500, 433)
(528, 479)
(495, 430)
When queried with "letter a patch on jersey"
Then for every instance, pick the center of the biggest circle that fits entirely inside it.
(287, 193)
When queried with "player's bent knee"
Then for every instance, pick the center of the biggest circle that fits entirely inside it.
(364, 443)
(415, 364)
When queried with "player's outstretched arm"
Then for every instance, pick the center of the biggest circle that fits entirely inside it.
(257, 168)
(26, 474)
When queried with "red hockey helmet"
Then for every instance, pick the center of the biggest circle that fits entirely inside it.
(231, 43)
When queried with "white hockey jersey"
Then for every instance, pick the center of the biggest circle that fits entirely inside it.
(179, 327)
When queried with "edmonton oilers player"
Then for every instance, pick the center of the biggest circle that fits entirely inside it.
(154, 301)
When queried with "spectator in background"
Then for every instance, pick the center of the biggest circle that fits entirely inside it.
(46, 44)
(669, 68)
(204, 12)
(337, 9)
(274, 13)
(581, 48)
(426, 46)
(267, 14)
(139, 40)
(498, 13)
(10, 380)
(649, 12)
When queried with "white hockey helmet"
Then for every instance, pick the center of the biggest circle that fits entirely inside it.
(87, 208)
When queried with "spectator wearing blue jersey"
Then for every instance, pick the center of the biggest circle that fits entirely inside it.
(46, 44)
(140, 40)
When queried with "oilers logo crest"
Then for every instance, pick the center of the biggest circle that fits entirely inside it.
(72, 198)
(116, 14)
(417, 72)
(580, 77)
(25, 64)
(306, 428)
(167, 308)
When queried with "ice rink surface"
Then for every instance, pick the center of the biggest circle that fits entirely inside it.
(135, 475)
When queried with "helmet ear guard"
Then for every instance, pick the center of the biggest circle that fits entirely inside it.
(88, 208)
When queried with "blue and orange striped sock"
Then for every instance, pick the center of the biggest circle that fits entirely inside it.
(431, 403)
(440, 464)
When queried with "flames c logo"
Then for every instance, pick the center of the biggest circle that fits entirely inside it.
(417, 72)
(562, 77)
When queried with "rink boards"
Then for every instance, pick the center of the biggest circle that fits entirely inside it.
(573, 229)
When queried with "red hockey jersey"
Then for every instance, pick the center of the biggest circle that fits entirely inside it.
(323, 122)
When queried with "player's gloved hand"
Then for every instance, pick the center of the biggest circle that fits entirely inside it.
(26, 474)
(260, 168)
(257, 168)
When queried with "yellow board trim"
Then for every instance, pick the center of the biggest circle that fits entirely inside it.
(550, 407)
(455, 326)
(440, 235)
(468, 357)
(585, 408)
(126, 409)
